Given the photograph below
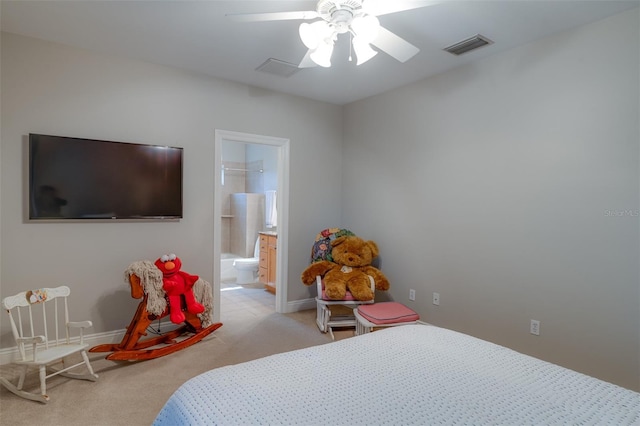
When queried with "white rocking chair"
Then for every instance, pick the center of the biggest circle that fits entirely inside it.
(333, 313)
(326, 319)
(31, 332)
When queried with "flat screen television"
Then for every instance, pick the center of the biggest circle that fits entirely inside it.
(73, 178)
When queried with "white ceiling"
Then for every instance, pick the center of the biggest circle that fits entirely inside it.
(196, 35)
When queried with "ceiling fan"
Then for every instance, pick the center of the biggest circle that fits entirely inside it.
(358, 18)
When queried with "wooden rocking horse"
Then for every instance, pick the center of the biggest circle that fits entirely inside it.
(146, 283)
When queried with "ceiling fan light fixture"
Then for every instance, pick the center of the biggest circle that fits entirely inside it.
(308, 36)
(313, 34)
(366, 27)
(363, 50)
(322, 54)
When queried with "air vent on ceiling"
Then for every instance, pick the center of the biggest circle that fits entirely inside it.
(468, 45)
(278, 67)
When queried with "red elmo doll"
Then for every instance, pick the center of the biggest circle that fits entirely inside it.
(175, 283)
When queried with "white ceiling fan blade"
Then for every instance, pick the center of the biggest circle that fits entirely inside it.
(307, 62)
(273, 16)
(394, 46)
(385, 7)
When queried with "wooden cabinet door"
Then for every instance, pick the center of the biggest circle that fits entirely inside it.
(272, 255)
(268, 260)
(263, 271)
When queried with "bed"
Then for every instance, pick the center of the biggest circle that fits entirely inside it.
(409, 375)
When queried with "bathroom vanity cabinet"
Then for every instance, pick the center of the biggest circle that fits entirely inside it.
(268, 256)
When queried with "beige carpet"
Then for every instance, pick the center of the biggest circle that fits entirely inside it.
(132, 393)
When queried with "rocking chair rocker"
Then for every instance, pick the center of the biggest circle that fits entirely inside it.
(131, 348)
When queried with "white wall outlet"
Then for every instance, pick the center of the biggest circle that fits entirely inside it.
(535, 327)
(436, 298)
(412, 294)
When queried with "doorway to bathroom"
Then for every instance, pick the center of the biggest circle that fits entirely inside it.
(250, 219)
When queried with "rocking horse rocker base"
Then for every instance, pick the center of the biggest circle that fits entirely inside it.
(131, 348)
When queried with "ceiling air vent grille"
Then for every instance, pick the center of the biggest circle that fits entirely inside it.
(468, 45)
(278, 67)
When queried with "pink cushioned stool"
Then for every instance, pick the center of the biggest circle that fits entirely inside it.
(384, 314)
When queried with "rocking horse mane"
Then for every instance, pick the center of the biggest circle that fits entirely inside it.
(204, 294)
(151, 281)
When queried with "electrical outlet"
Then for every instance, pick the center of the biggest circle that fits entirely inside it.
(412, 294)
(436, 298)
(535, 327)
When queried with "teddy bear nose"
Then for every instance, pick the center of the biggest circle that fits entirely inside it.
(169, 266)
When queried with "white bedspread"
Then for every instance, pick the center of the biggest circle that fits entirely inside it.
(409, 375)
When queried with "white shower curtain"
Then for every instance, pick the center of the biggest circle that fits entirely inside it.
(271, 213)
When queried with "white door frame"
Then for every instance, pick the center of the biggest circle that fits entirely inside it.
(282, 201)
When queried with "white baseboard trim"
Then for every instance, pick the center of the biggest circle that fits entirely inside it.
(300, 305)
(8, 355)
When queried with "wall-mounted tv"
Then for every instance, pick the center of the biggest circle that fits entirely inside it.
(73, 178)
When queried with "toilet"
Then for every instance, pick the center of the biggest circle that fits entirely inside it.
(247, 268)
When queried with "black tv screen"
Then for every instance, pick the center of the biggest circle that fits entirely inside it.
(73, 178)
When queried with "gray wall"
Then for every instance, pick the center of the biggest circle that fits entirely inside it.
(52, 89)
(511, 188)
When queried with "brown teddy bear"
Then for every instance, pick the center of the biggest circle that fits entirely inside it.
(350, 269)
